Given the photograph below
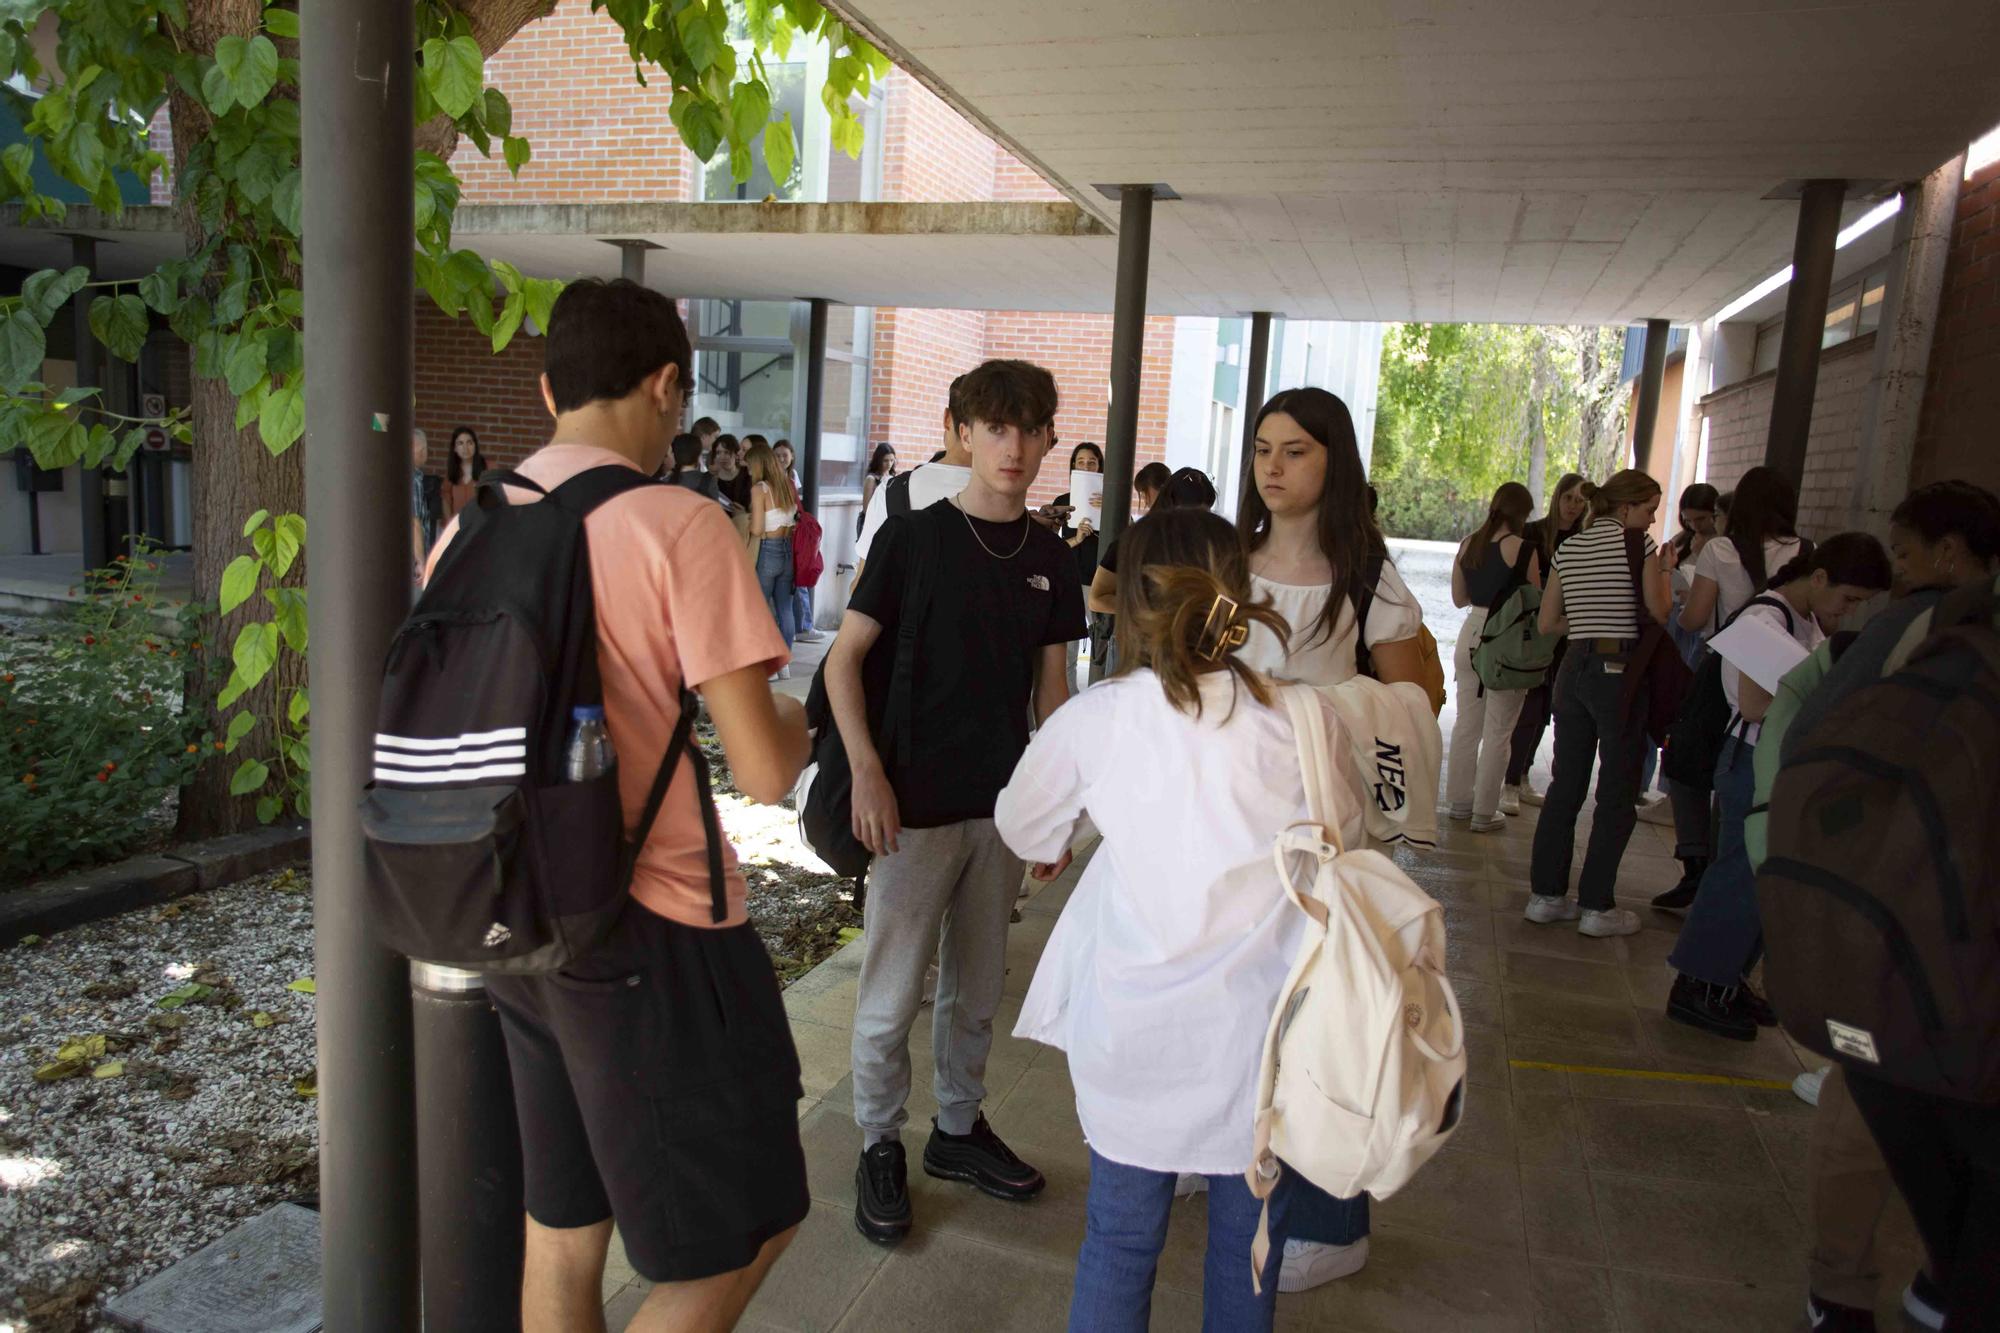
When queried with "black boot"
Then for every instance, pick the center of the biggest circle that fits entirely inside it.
(1681, 896)
(1710, 1008)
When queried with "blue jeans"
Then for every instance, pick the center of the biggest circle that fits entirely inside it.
(1590, 724)
(802, 607)
(774, 576)
(1723, 931)
(1326, 1219)
(1126, 1229)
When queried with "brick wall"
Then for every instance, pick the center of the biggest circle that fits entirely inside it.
(1739, 422)
(1957, 434)
(598, 137)
(1015, 179)
(930, 153)
(460, 382)
(160, 138)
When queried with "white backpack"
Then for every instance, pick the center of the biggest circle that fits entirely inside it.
(1363, 1075)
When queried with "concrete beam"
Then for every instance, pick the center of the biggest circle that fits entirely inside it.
(668, 219)
(1892, 405)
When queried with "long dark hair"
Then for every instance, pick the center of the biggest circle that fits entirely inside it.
(1853, 558)
(1701, 495)
(1077, 453)
(454, 465)
(1348, 537)
(884, 453)
(1953, 508)
(1507, 514)
(686, 454)
(1765, 508)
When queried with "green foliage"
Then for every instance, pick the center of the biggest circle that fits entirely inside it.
(279, 774)
(92, 735)
(236, 297)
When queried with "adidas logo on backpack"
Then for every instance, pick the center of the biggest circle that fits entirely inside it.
(1363, 1076)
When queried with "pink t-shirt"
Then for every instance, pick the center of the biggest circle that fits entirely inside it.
(676, 601)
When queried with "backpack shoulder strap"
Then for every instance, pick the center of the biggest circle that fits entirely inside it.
(683, 743)
(1318, 764)
(897, 499)
(919, 580)
(1370, 576)
(589, 489)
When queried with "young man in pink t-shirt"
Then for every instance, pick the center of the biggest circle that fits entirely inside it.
(655, 1079)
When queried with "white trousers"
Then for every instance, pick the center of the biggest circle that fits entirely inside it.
(1483, 733)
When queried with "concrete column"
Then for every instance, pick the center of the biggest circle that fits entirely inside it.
(1696, 370)
(1893, 402)
(1255, 386)
(97, 550)
(1805, 324)
(1128, 348)
(1652, 369)
(359, 288)
(632, 264)
(809, 428)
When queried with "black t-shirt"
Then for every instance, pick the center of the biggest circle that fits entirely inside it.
(988, 620)
(1085, 550)
(736, 490)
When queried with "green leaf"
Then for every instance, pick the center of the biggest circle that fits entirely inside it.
(109, 1069)
(161, 289)
(281, 22)
(75, 394)
(22, 350)
(19, 161)
(256, 651)
(128, 444)
(255, 521)
(249, 776)
(239, 581)
(454, 71)
(699, 39)
(497, 114)
(240, 726)
(741, 163)
(243, 363)
(231, 692)
(263, 164)
(283, 418)
(517, 152)
(98, 444)
(120, 323)
(250, 403)
(304, 986)
(82, 147)
(542, 294)
(244, 73)
(700, 124)
(750, 110)
(287, 201)
(291, 534)
(261, 1019)
(269, 808)
(780, 150)
(43, 293)
(509, 322)
(296, 710)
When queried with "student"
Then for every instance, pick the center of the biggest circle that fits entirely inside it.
(655, 1079)
(707, 431)
(1152, 479)
(1188, 488)
(684, 469)
(802, 601)
(462, 470)
(1081, 537)
(921, 487)
(426, 498)
(1590, 598)
(1698, 518)
(1721, 938)
(1564, 520)
(774, 510)
(1493, 561)
(1175, 927)
(990, 648)
(1311, 538)
(881, 467)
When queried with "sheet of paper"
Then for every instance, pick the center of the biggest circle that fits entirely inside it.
(1086, 492)
(1760, 650)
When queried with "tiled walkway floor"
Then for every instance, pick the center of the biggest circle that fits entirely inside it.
(1570, 1200)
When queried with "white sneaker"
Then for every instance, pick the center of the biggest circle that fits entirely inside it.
(1308, 1263)
(1493, 825)
(1659, 810)
(1807, 1085)
(1510, 800)
(1611, 921)
(1189, 1185)
(809, 636)
(1457, 812)
(1546, 909)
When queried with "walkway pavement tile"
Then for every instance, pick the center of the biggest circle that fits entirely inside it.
(822, 1271)
(1686, 1048)
(1653, 1303)
(824, 1057)
(624, 1303)
(1049, 1226)
(1573, 1054)
(1470, 959)
(1565, 1018)
(1488, 1123)
(618, 1272)
(1698, 1230)
(833, 1006)
(1558, 1216)
(1511, 930)
(1463, 1195)
(1649, 984)
(1784, 1140)
(1676, 1142)
(1419, 1283)
(1478, 1002)
(1486, 1058)
(1041, 1108)
(1590, 979)
(1546, 1133)
(944, 1282)
(1611, 1087)
(1571, 1298)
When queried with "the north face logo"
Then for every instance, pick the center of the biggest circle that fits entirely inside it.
(496, 935)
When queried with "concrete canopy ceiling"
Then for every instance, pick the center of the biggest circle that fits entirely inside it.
(1470, 160)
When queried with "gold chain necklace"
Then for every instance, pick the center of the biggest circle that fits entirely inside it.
(1025, 522)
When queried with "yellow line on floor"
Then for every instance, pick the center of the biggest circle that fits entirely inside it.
(1661, 1075)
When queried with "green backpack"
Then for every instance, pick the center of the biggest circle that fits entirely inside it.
(1767, 756)
(1513, 653)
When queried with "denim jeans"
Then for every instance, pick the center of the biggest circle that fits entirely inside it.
(802, 608)
(1590, 722)
(1694, 821)
(774, 576)
(1723, 931)
(1326, 1219)
(1126, 1228)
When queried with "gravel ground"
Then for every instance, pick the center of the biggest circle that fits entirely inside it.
(103, 1181)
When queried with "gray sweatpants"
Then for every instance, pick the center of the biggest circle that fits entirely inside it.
(957, 882)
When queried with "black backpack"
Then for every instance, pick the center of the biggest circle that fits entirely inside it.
(480, 855)
(1694, 742)
(888, 678)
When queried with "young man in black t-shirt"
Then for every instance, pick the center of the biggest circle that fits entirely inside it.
(1000, 604)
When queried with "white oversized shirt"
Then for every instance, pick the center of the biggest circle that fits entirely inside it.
(1321, 659)
(1162, 971)
(929, 483)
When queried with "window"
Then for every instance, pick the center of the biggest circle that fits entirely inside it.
(1769, 334)
(1221, 440)
(1873, 288)
(746, 374)
(821, 173)
(788, 95)
(1841, 309)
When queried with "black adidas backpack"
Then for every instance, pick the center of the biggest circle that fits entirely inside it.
(480, 855)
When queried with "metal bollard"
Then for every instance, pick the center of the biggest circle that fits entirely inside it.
(468, 1157)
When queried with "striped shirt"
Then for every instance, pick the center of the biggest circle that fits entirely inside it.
(1596, 578)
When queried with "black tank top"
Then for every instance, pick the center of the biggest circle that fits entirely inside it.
(1492, 578)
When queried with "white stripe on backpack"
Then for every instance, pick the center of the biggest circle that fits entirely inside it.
(473, 774)
(469, 740)
(460, 757)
